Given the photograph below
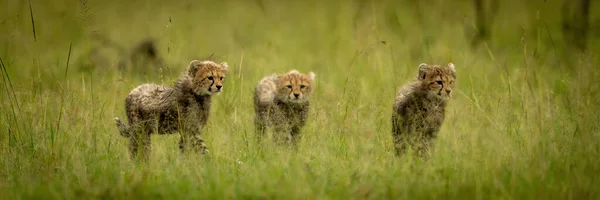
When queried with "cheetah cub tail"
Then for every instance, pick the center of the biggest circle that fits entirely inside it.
(123, 129)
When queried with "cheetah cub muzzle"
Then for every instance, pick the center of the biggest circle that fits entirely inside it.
(419, 108)
(281, 101)
(183, 107)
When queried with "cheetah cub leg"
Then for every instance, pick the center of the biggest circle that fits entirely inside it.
(140, 144)
(191, 140)
(260, 121)
(281, 134)
(400, 144)
(295, 135)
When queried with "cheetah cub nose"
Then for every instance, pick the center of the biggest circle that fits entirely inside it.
(448, 91)
(219, 87)
(296, 95)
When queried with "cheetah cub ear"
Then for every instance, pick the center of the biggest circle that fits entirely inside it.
(224, 65)
(451, 66)
(311, 75)
(423, 68)
(193, 67)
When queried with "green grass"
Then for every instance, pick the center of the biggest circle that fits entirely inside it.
(522, 123)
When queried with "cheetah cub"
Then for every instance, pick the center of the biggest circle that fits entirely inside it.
(183, 108)
(281, 101)
(420, 106)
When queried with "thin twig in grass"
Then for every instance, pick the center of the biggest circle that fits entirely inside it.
(354, 61)
(346, 110)
(10, 84)
(489, 51)
(571, 117)
(347, 79)
(525, 63)
(18, 107)
(240, 76)
(103, 109)
(246, 141)
(349, 73)
(32, 21)
(560, 70)
(62, 93)
(5, 79)
(68, 59)
(480, 109)
(240, 79)
(508, 80)
(93, 103)
(394, 65)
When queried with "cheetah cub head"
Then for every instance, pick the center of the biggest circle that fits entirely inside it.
(437, 81)
(295, 87)
(207, 76)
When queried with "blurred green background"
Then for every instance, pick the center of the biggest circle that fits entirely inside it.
(521, 124)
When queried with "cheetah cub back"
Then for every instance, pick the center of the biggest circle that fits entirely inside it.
(281, 101)
(419, 108)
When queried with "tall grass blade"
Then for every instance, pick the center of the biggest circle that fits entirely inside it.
(32, 22)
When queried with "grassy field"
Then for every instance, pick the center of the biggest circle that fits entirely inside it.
(522, 122)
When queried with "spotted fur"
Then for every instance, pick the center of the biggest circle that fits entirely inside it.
(281, 101)
(183, 107)
(419, 108)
